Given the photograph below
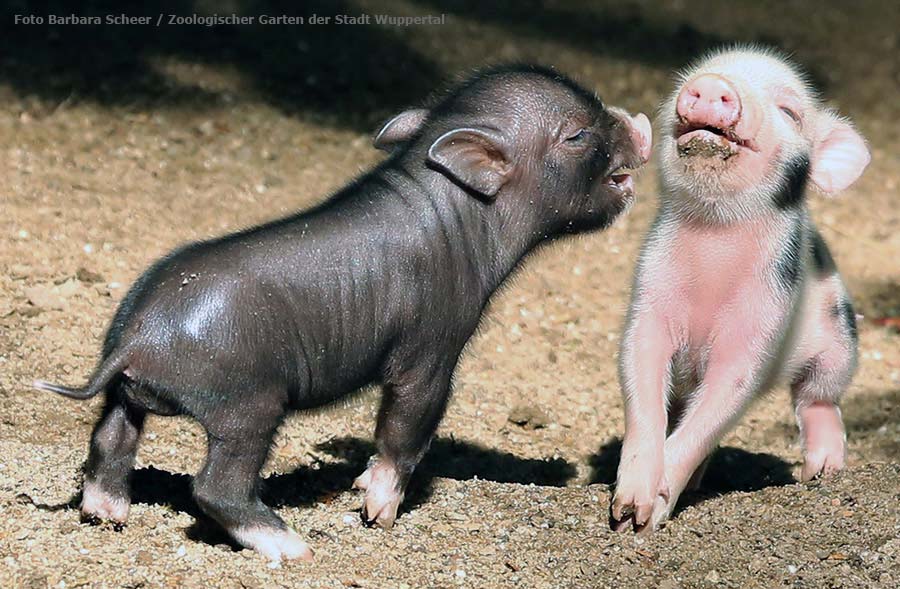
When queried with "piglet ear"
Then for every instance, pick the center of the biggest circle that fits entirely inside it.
(473, 157)
(399, 129)
(839, 157)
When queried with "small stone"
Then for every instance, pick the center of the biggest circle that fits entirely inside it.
(68, 526)
(88, 276)
(144, 558)
(29, 311)
(149, 520)
(207, 128)
(529, 417)
(20, 271)
(712, 577)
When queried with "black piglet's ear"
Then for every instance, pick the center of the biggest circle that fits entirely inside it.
(399, 129)
(473, 157)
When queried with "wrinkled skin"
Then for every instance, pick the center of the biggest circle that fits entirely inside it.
(385, 282)
(735, 289)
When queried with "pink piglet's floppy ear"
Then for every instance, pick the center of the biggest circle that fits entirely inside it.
(839, 156)
(474, 157)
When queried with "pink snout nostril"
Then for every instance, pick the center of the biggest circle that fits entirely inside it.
(709, 100)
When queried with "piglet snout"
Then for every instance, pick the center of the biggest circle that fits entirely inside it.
(640, 132)
(709, 100)
(642, 135)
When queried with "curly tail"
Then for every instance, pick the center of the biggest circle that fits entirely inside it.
(109, 368)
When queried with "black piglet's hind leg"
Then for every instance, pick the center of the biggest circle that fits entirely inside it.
(227, 490)
(105, 495)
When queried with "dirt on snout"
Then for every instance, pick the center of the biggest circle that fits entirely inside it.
(119, 143)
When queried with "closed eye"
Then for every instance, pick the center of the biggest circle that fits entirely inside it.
(791, 113)
(579, 136)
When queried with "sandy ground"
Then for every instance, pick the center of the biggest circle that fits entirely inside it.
(122, 143)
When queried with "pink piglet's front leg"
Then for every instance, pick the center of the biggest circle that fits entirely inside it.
(645, 361)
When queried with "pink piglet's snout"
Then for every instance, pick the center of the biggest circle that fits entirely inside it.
(710, 100)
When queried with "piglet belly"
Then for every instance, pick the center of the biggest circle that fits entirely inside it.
(723, 301)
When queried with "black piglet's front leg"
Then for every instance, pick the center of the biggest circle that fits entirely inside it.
(411, 408)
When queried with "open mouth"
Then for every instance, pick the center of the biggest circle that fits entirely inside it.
(709, 141)
(621, 181)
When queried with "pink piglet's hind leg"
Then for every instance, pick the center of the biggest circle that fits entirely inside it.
(824, 440)
(830, 338)
(816, 393)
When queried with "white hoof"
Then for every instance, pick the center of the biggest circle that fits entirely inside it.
(273, 543)
(822, 462)
(383, 494)
(98, 504)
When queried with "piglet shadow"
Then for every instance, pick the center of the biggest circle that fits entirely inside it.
(731, 470)
(151, 486)
(447, 458)
(327, 478)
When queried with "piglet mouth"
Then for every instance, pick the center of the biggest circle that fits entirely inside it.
(709, 141)
(621, 181)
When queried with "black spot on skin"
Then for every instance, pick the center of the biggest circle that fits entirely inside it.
(844, 311)
(823, 263)
(789, 263)
(791, 193)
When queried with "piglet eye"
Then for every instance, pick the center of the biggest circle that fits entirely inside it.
(580, 135)
(791, 113)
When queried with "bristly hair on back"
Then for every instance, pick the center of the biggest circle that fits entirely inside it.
(466, 80)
